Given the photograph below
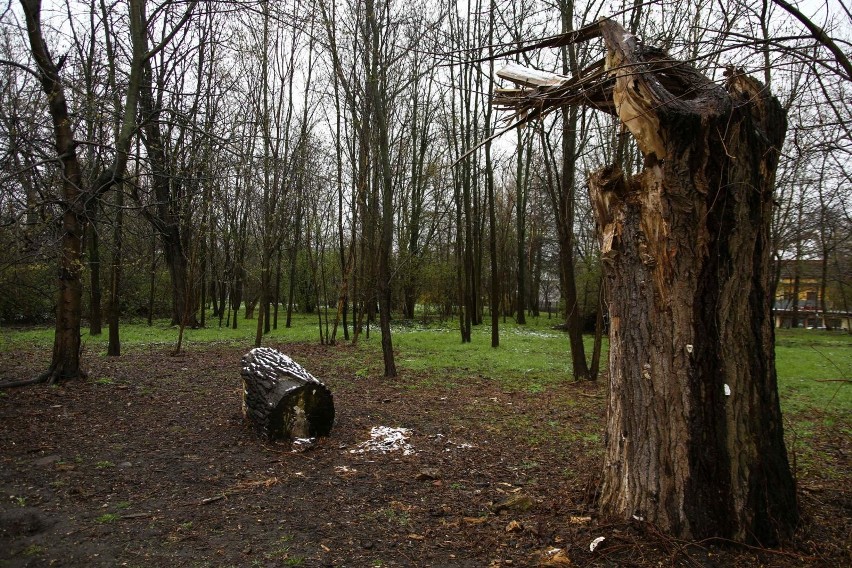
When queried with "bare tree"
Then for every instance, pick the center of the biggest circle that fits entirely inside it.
(76, 197)
(169, 208)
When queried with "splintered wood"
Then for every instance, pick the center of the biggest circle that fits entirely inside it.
(695, 440)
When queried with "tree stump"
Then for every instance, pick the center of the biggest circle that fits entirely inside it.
(281, 399)
(695, 438)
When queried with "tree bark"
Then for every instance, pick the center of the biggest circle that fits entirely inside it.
(294, 256)
(281, 399)
(96, 292)
(266, 240)
(565, 224)
(277, 291)
(152, 276)
(695, 441)
(521, 231)
(594, 369)
(65, 363)
(113, 306)
(694, 435)
(379, 105)
(167, 214)
(565, 211)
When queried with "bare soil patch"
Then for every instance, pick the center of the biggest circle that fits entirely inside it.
(149, 463)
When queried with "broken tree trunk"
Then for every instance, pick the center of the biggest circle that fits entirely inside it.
(694, 434)
(281, 399)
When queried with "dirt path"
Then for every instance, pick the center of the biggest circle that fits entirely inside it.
(149, 463)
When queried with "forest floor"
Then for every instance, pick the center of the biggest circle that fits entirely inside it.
(149, 462)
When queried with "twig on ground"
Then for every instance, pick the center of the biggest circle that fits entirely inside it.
(135, 516)
(212, 499)
(242, 487)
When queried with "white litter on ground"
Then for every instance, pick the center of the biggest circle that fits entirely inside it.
(594, 544)
(384, 439)
(302, 444)
(457, 446)
(450, 445)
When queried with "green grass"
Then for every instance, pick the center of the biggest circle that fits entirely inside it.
(33, 550)
(529, 357)
(813, 365)
(161, 333)
(814, 368)
(281, 549)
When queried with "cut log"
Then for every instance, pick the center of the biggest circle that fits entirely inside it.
(281, 399)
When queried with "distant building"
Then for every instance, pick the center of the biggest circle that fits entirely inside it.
(805, 309)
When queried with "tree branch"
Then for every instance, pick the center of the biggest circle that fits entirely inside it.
(822, 37)
(29, 70)
(158, 48)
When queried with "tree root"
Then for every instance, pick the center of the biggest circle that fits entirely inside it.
(42, 378)
(50, 377)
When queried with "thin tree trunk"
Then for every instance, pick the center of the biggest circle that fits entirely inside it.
(266, 203)
(277, 287)
(65, 362)
(294, 254)
(376, 84)
(594, 371)
(489, 181)
(165, 215)
(114, 307)
(565, 211)
(203, 301)
(521, 231)
(797, 286)
(95, 291)
(152, 280)
(536, 275)
(238, 289)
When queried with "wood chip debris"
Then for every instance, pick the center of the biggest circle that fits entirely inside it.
(514, 526)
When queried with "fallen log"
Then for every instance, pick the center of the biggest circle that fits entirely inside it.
(281, 399)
